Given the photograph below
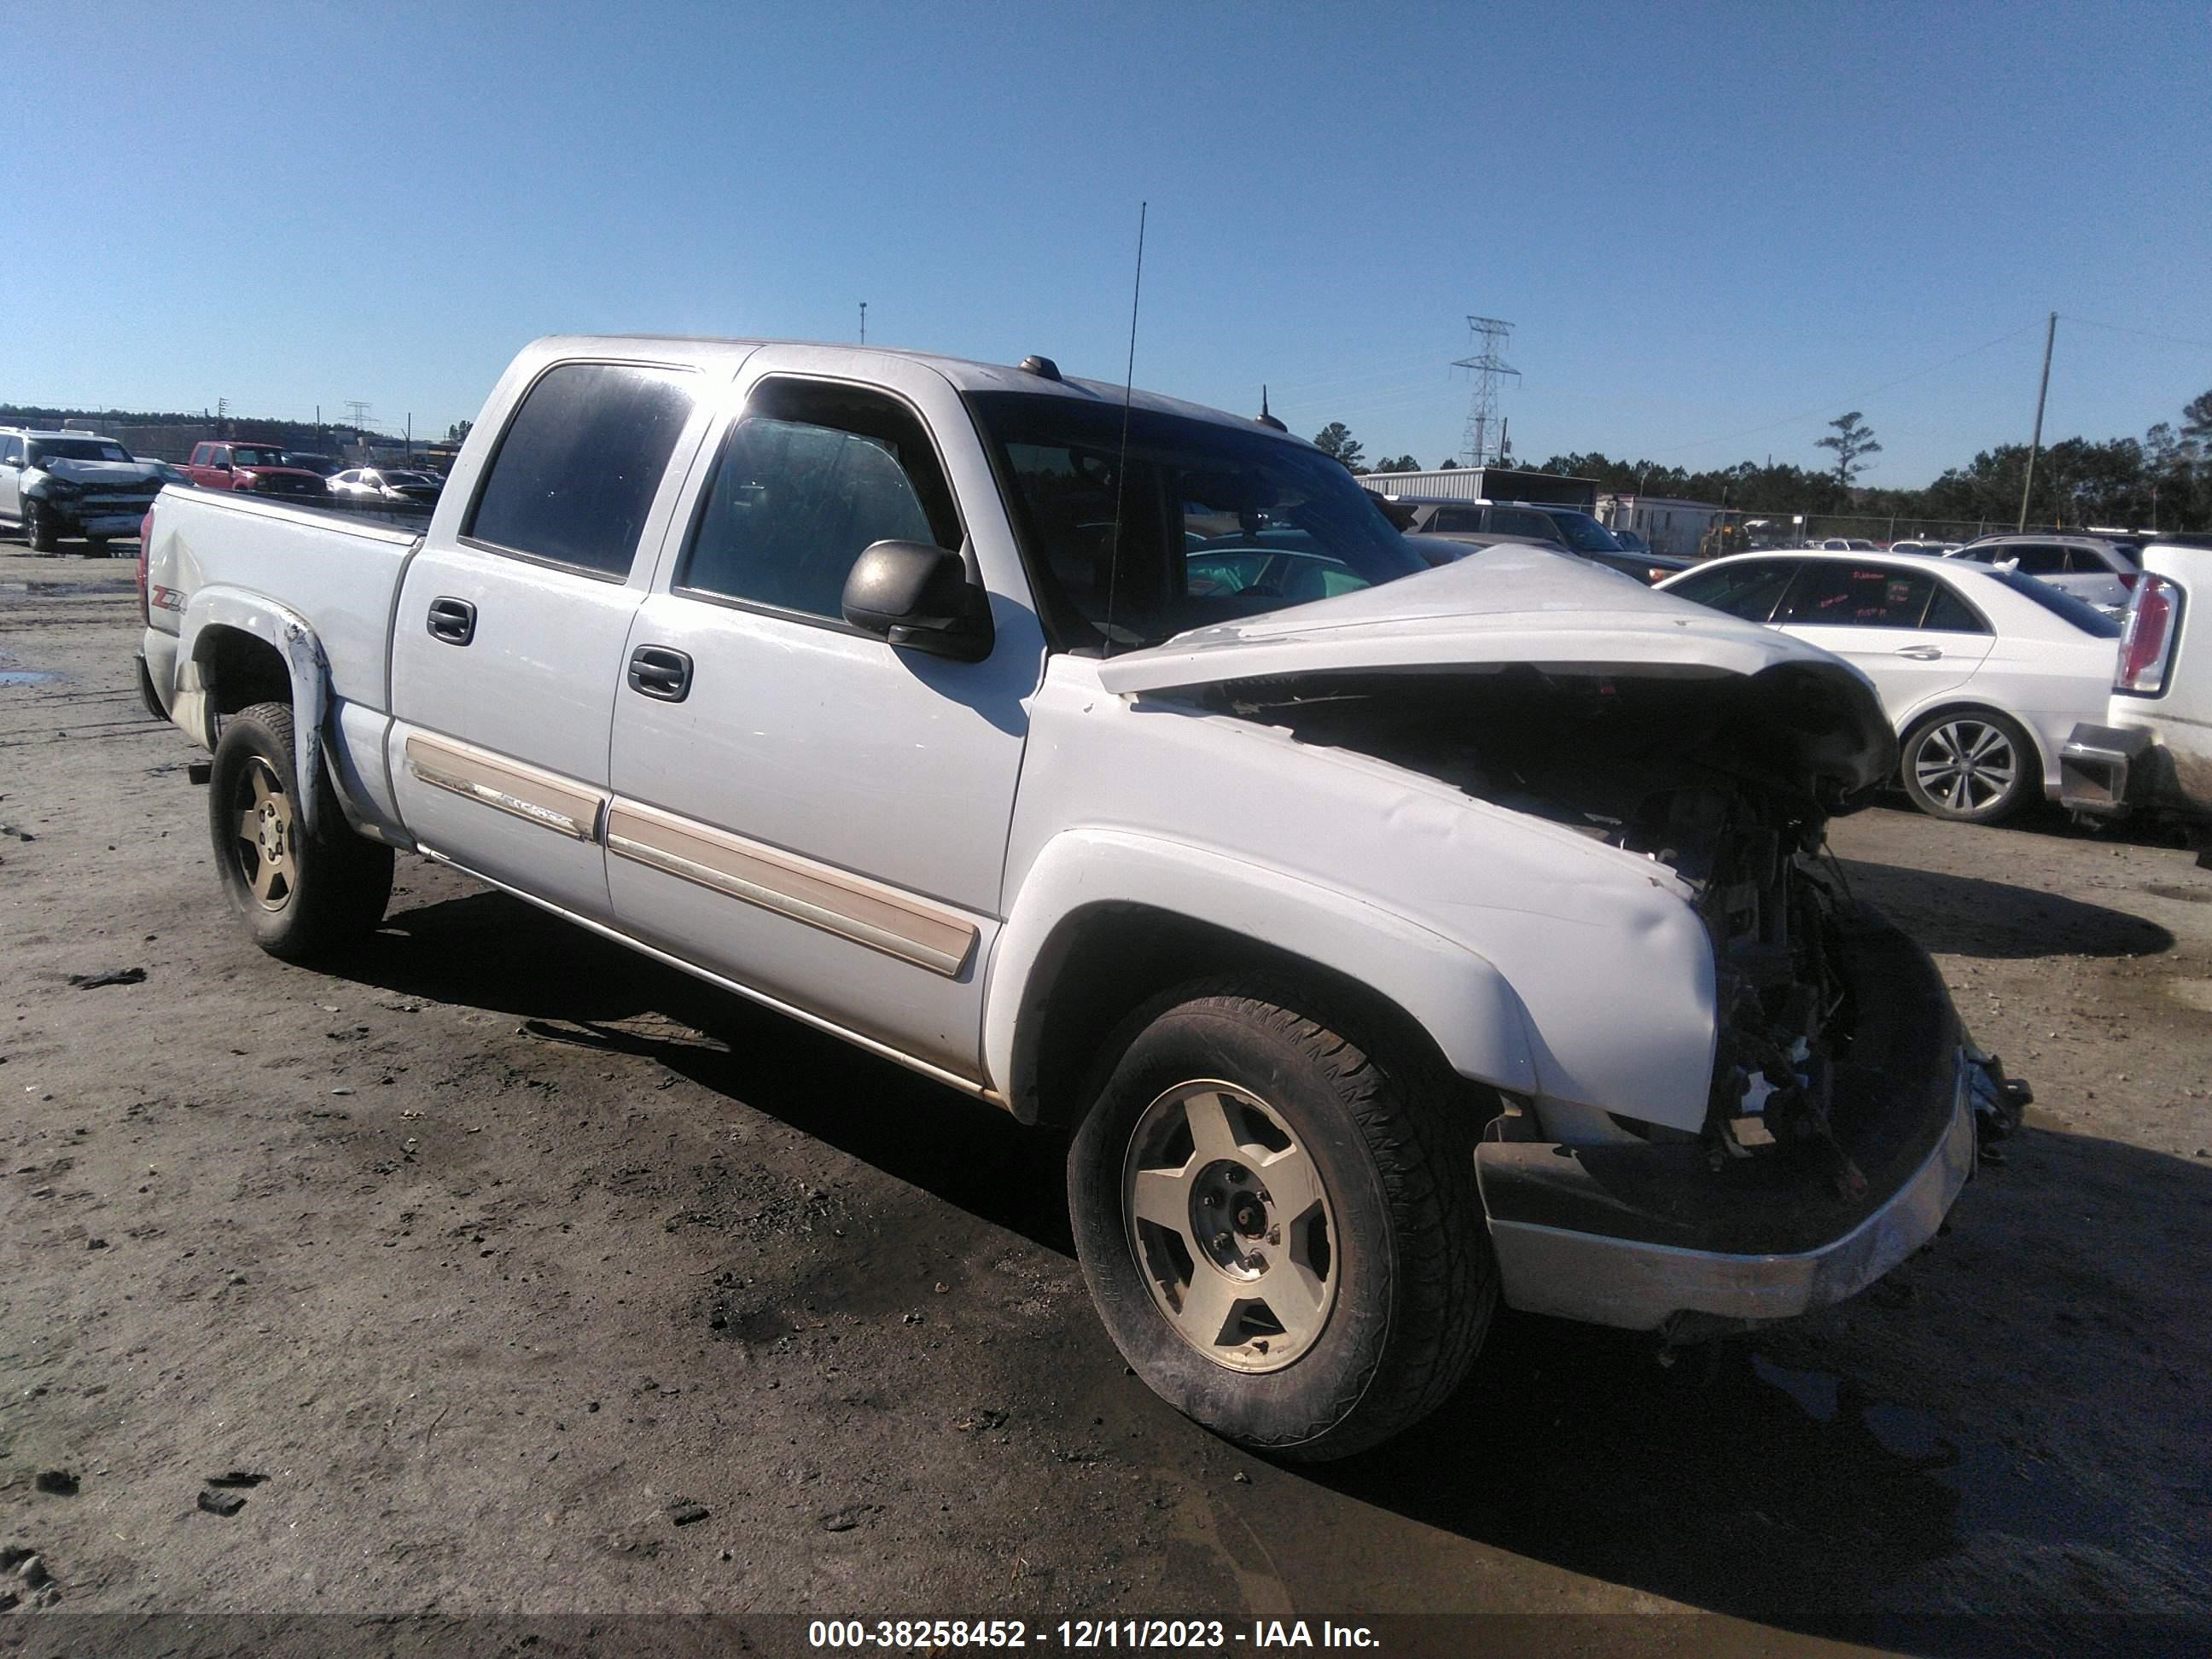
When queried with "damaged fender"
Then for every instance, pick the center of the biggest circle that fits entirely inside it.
(1475, 1017)
(293, 639)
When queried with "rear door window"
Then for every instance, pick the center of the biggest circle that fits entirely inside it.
(1949, 613)
(1843, 592)
(576, 469)
(1456, 520)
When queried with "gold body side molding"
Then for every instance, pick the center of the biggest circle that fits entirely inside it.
(545, 798)
(868, 912)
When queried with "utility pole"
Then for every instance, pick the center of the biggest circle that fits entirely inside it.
(863, 322)
(1477, 444)
(2050, 335)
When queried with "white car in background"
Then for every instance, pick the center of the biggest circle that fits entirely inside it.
(1985, 672)
(1934, 550)
(2095, 569)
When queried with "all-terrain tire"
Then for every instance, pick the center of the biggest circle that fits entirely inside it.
(302, 896)
(1391, 1139)
(1971, 766)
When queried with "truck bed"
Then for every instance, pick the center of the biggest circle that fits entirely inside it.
(338, 567)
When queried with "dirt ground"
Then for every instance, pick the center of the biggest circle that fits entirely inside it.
(483, 1254)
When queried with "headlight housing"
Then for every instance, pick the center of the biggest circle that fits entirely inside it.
(58, 489)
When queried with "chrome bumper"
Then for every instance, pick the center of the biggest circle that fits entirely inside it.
(1641, 1287)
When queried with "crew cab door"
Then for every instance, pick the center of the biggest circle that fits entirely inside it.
(508, 638)
(1904, 627)
(800, 806)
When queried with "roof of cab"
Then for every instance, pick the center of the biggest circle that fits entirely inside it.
(964, 374)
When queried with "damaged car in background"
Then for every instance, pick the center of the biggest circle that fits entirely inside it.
(1391, 940)
(55, 486)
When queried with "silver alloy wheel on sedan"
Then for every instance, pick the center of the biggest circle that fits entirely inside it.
(1231, 1226)
(1966, 765)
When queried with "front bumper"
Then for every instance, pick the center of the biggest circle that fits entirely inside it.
(1652, 1237)
(91, 516)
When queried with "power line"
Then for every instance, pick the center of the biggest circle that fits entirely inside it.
(2148, 334)
(1855, 397)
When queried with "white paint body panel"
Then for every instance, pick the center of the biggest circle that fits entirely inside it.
(2180, 718)
(1601, 951)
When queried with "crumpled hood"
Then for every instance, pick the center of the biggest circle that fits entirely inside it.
(101, 472)
(1513, 605)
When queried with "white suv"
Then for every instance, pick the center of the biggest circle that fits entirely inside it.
(58, 484)
(2095, 569)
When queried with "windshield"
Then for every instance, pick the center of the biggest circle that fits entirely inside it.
(77, 449)
(1215, 522)
(2060, 603)
(1583, 533)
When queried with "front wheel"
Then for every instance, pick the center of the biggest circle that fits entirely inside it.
(96, 547)
(1972, 766)
(300, 894)
(1278, 1219)
(38, 531)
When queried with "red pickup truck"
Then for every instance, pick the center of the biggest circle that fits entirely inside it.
(257, 467)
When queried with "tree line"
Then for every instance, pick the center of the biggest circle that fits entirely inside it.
(2163, 480)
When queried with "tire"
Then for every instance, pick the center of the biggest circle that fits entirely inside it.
(96, 547)
(1375, 1280)
(300, 896)
(39, 532)
(1971, 766)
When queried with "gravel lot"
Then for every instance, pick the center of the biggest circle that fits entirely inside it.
(478, 1259)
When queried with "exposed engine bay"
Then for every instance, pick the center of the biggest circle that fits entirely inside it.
(1719, 778)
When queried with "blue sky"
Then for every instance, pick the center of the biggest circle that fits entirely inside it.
(1713, 226)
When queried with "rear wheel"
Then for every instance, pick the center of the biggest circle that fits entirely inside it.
(1278, 1219)
(1972, 766)
(300, 894)
(38, 531)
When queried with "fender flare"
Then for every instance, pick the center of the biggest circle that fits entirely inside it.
(1475, 1017)
(293, 638)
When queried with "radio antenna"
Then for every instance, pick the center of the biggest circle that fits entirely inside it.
(1122, 466)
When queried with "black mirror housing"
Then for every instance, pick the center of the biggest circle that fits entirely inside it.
(918, 596)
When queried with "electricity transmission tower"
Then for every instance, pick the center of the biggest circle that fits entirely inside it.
(1484, 440)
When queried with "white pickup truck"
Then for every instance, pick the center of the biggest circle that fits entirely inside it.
(2152, 756)
(1390, 939)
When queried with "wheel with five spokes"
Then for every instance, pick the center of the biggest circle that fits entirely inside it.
(1972, 766)
(302, 894)
(1275, 1210)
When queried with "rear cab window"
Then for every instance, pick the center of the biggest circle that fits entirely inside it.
(575, 472)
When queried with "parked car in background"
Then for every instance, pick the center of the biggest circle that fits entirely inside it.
(1631, 541)
(309, 460)
(56, 486)
(1932, 549)
(1845, 544)
(2095, 569)
(1481, 518)
(372, 484)
(2151, 754)
(259, 468)
(1984, 672)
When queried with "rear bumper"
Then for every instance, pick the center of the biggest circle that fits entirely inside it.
(2115, 771)
(1651, 1237)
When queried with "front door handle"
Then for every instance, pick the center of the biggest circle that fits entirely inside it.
(1919, 653)
(452, 620)
(656, 670)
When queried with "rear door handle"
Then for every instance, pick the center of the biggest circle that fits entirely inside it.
(656, 670)
(452, 620)
(1919, 653)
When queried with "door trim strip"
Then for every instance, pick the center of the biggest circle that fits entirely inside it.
(545, 798)
(885, 919)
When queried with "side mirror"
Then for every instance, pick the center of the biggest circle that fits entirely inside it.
(920, 596)
(222, 466)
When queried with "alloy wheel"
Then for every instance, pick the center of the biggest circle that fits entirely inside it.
(1232, 1225)
(1966, 765)
(267, 841)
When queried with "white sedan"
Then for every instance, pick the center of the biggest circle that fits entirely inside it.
(1984, 672)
